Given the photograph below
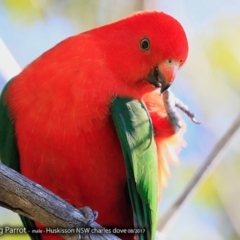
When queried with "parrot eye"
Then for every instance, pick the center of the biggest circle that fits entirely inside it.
(145, 44)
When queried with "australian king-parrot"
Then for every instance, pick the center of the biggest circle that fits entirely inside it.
(90, 119)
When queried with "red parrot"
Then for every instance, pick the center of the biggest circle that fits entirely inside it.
(58, 111)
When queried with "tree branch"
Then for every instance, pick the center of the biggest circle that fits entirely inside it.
(21, 195)
(200, 174)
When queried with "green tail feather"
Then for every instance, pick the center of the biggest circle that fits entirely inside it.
(9, 152)
(135, 133)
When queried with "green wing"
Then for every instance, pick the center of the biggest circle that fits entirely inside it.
(135, 133)
(8, 150)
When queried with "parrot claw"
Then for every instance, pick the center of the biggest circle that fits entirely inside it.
(179, 104)
(89, 214)
(170, 103)
(195, 120)
(170, 106)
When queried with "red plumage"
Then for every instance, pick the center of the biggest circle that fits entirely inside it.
(60, 107)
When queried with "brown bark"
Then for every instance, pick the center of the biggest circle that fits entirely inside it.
(21, 195)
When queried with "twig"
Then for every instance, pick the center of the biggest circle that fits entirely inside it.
(29, 199)
(200, 174)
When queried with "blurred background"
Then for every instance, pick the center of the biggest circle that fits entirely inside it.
(208, 83)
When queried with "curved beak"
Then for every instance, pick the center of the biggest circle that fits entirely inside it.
(164, 83)
(163, 75)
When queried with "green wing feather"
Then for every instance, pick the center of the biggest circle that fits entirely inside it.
(8, 150)
(135, 133)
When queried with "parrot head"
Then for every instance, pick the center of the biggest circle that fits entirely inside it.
(146, 49)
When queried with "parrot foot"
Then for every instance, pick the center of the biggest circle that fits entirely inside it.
(184, 108)
(170, 103)
(89, 214)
